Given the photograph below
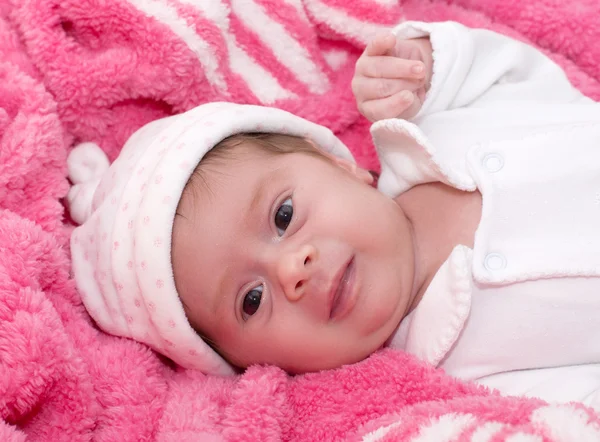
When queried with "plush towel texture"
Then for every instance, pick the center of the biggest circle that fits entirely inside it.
(95, 70)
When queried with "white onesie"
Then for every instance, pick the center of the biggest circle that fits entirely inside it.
(520, 311)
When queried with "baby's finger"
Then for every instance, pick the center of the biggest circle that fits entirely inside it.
(381, 45)
(414, 107)
(389, 107)
(390, 67)
(366, 88)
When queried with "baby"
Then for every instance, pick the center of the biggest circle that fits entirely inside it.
(233, 235)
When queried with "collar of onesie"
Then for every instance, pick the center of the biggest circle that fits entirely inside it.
(432, 328)
(407, 160)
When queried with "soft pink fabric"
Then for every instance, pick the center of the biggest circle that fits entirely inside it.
(95, 70)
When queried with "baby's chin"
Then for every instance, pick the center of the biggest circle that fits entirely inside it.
(321, 364)
(309, 360)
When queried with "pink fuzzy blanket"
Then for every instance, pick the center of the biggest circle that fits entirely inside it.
(95, 70)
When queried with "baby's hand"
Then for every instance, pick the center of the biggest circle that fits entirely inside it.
(392, 77)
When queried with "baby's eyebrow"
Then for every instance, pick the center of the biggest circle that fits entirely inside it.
(258, 195)
(261, 189)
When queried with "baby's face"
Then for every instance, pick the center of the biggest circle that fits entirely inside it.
(292, 260)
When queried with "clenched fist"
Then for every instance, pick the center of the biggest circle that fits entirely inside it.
(392, 77)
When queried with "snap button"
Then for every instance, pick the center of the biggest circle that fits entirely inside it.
(493, 162)
(494, 261)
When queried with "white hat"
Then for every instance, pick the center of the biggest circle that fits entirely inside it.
(121, 252)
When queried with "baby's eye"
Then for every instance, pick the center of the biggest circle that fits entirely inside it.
(283, 216)
(252, 301)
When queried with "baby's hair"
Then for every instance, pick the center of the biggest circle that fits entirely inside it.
(270, 143)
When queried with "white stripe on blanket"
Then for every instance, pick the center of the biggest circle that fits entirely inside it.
(262, 84)
(388, 3)
(274, 35)
(445, 428)
(376, 435)
(300, 8)
(260, 81)
(169, 17)
(565, 422)
(486, 432)
(352, 28)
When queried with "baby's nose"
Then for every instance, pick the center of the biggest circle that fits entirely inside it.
(294, 270)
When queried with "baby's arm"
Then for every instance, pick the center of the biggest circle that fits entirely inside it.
(481, 68)
(464, 68)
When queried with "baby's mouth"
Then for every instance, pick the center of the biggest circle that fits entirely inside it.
(343, 294)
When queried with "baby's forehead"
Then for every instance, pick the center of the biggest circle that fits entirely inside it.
(234, 170)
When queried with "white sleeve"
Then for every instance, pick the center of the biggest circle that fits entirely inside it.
(481, 68)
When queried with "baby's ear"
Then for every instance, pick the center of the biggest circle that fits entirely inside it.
(350, 166)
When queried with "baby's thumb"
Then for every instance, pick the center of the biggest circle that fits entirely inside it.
(86, 164)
